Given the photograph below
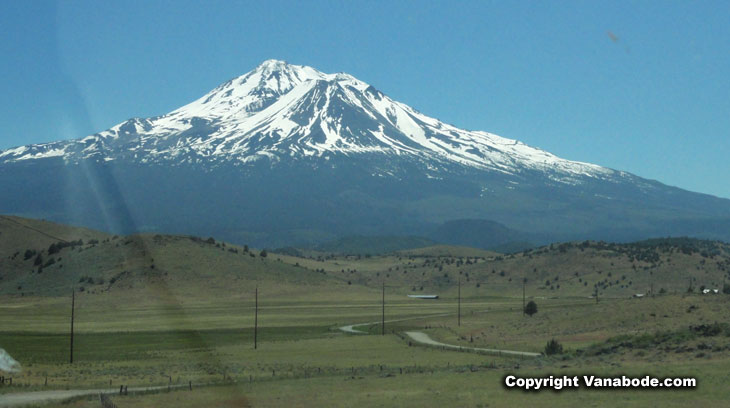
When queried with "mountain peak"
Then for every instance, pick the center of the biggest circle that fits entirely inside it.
(280, 111)
(273, 61)
(272, 64)
(273, 68)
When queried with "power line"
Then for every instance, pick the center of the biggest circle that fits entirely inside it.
(31, 228)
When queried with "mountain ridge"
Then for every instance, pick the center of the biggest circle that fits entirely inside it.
(279, 109)
(286, 155)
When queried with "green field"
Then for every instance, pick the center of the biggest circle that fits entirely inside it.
(190, 319)
(464, 388)
(303, 356)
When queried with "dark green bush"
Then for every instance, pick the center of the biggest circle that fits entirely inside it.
(553, 347)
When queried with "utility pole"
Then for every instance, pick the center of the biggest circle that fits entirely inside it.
(459, 303)
(382, 326)
(523, 295)
(256, 320)
(73, 306)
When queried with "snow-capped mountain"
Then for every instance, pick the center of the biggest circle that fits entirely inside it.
(281, 111)
(286, 154)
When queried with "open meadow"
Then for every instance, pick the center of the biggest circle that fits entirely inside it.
(181, 314)
(303, 359)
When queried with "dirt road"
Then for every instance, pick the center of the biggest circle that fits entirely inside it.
(351, 328)
(424, 339)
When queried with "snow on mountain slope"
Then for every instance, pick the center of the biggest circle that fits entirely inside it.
(281, 111)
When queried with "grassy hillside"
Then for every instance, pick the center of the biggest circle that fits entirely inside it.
(46, 259)
(38, 258)
(373, 245)
(558, 270)
(447, 251)
(18, 234)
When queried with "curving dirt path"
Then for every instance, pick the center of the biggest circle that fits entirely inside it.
(351, 328)
(423, 338)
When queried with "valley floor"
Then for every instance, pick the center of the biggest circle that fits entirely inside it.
(303, 358)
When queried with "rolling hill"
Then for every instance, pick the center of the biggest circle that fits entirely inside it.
(35, 262)
(39, 258)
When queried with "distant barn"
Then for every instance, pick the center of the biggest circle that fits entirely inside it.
(424, 296)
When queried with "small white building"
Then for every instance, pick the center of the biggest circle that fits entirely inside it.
(424, 296)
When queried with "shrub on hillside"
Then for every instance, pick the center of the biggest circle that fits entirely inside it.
(531, 308)
(29, 253)
(553, 347)
(707, 330)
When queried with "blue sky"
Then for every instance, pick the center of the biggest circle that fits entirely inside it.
(641, 86)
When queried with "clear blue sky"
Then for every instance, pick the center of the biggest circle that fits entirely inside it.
(641, 86)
